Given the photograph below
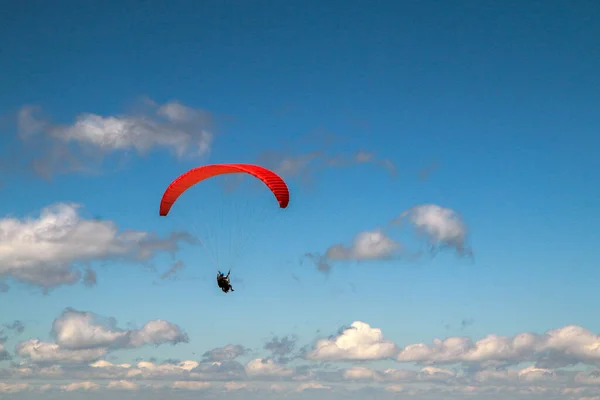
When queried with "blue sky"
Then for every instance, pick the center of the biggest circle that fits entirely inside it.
(477, 119)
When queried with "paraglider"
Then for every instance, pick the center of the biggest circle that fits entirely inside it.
(196, 175)
(223, 282)
(182, 183)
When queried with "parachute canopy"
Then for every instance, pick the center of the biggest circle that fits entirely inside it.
(196, 175)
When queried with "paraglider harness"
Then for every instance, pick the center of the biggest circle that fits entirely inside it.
(223, 282)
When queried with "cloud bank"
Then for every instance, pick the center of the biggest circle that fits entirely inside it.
(345, 365)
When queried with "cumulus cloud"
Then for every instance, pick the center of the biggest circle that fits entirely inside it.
(436, 374)
(359, 342)
(267, 368)
(122, 385)
(536, 374)
(171, 370)
(368, 374)
(47, 250)
(231, 386)
(82, 145)
(8, 388)
(80, 386)
(82, 337)
(443, 227)
(560, 347)
(371, 245)
(190, 385)
(311, 386)
(156, 332)
(146, 369)
(44, 352)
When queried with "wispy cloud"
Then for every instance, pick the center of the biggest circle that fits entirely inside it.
(176, 266)
(83, 145)
(305, 165)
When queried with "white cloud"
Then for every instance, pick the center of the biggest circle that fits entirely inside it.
(190, 385)
(276, 387)
(43, 352)
(13, 387)
(46, 251)
(395, 388)
(80, 338)
(183, 370)
(359, 342)
(232, 386)
(78, 330)
(536, 374)
(443, 227)
(108, 364)
(371, 245)
(157, 332)
(80, 386)
(267, 367)
(367, 374)
(558, 347)
(434, 373)
(82, 330)
(495, 375)
(122, 385)
(183, 130)
(360, 373)
(146, 369)
(488, 377)
(311, 386)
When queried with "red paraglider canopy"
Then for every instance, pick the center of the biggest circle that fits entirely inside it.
(193, 176)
